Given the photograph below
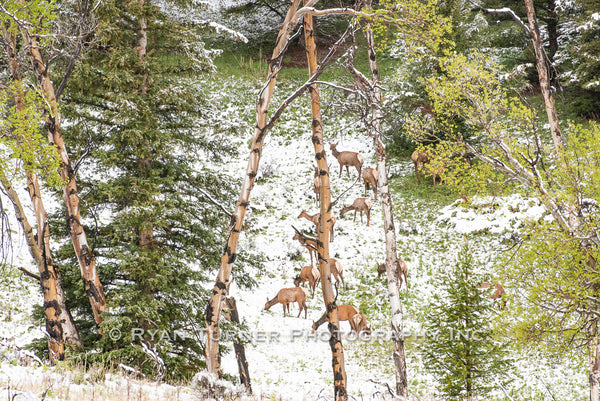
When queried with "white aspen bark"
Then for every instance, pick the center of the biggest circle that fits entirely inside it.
(544, 76)
(391, 256)
(223, 281)
(85, 257)
(337, 350)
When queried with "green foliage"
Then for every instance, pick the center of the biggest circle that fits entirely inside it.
(460, 348)
(24, 145)
(38, 17)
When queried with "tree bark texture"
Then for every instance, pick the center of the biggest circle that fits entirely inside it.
(48, 278)
(223, 281)
(240, 352)
(87, 262)
(337, 350)
(544, 75)
(42, 254)
(391, 255)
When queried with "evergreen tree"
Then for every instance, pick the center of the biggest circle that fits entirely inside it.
(460, 348)
(148, 147)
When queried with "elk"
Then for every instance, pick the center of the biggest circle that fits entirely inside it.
(361, 205)
(317, 184)
(369, 176)
(358, 323)
(420, 158)
(286, 296)
(349, 313)
(337, 270)
(497, 294)
(401, 271)
(310, 274)
(309, 243)
(315, 218)
(347, 158)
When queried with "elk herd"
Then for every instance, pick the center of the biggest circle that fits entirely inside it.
(310, 274)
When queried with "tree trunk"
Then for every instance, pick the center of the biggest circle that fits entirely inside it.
(595, 369)
(223, 281)
(240, 352)
(337, 350)
(42, 254)
(391, 255)
(87, 262)
(48, 278)
(544, 76)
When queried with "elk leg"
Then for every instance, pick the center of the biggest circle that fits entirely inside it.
(368, 217)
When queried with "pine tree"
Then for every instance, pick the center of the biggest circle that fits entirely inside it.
(152, 192)
(460, 348)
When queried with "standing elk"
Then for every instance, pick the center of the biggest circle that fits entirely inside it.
(347, 158)
(337, 271)
(286, 296)
(497, 294)
(315, 218)
(361, 205)
(349, 313)
(369, 176)
(310, 274)
(419, 158)
(401, 271)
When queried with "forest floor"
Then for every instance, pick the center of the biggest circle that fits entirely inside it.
(286, 360)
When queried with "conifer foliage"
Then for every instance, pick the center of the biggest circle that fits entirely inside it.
(152, 191)
(460, 348)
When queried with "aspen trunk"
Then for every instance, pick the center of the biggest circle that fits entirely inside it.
(223, 281)
(337, 350)
(391, 255)
(50, 279)
(543, 74)
(87, 262)
(240, 352)
(595, 369)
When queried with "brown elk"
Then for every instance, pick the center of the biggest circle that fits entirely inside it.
(286, 296)
(369, 176)
(497, 294)
(346, 312)
(315, 218)
(358, 323)
(401, 271)
(309, 243)
(419, 158)
(310, 274)
(361, 205)
(337, 271)
(347, 158)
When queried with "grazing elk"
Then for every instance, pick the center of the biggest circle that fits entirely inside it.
(497, 294)
(346, 312)
(315, 218)
(310, 274)
(286, 296)
(369, 176)
(401, 271)
(309, 243)
(347, 158)
(337, 270)
(419, 158)
(361, 205)
(358, 323)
